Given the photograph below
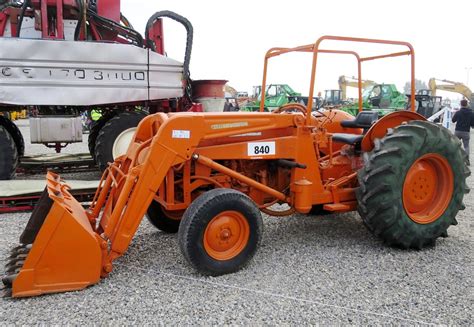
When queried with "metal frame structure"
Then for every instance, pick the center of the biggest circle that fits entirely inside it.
(315, 49)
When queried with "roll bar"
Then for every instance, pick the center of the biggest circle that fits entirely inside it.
(315, 49)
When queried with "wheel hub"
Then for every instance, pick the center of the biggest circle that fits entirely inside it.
(428, 188)
(422, 184)
(226, 235)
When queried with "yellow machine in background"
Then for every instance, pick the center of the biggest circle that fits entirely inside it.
(346, 81)
(15, 115)
(450, 86)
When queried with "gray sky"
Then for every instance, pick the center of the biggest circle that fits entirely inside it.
(231, 38)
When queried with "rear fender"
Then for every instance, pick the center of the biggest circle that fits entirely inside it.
(380, 128)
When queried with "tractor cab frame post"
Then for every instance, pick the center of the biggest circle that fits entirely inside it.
(315, 49)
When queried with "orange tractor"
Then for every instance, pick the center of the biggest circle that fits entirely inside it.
(207, 176)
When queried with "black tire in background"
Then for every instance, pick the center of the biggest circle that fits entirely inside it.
(166, 221)
(110, 131)
(15, 133)
(381, 183)
(6, 114)
(8, 155)
(95, 129)
(202, 213)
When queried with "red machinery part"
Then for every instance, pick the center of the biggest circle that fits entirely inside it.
(12, 13)
(156, 35)
(21, 203)
(109, 9)
(208, 88)
(3, 23)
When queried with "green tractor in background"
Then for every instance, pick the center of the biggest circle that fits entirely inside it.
(276, 95)
(382, 98)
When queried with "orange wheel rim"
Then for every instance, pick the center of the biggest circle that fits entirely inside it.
(226, 235)
(428, 188)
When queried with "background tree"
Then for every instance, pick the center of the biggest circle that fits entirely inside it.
(419, 84)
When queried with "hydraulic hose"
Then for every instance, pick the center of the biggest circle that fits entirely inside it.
(80, 20)
(189, 42)
(8, 3)
(125, 21)
(125, 31)
(24, 6)
(180, 19)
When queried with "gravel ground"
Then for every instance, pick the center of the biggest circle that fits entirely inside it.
(309, 270)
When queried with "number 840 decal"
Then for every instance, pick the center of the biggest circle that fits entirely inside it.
(261, 149)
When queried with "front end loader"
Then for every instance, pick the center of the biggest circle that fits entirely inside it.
(208, 177)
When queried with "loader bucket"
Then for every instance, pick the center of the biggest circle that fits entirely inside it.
(59, 249)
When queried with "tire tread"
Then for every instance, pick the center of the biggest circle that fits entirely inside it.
(381, 184)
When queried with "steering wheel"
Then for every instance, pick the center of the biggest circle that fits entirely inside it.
(291, 107)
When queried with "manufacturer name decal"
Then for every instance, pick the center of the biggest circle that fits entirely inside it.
(230, 125)
(181, 134)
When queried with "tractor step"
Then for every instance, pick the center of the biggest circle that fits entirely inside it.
(341, 207)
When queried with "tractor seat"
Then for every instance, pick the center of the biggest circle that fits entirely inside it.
(347, 138)
(364, 119)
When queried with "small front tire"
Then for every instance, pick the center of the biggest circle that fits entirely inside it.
(220, 232)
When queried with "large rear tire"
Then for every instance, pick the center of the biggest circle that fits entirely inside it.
(109, 133)
(413, 184)
(9, 155)
(15, 133)
(220, 232)
(166, 221)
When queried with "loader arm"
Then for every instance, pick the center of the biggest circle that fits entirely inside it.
(176, 140)
(55, 261)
